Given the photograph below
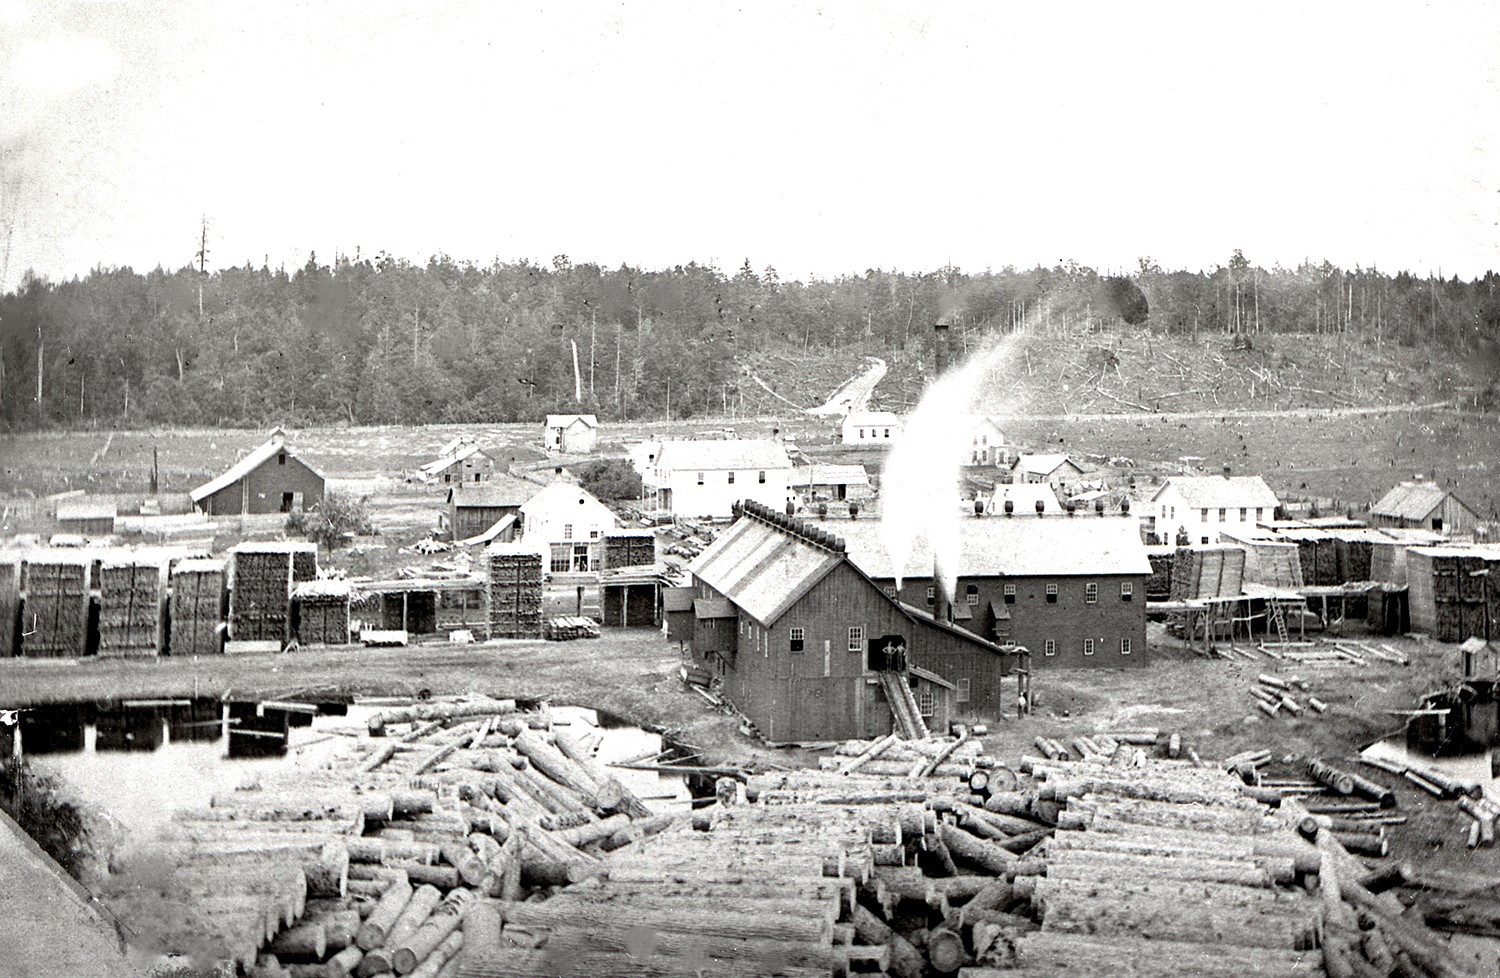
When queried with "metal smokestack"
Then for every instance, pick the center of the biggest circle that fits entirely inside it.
(940, 344)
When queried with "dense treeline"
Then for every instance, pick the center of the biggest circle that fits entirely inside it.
(385, 341)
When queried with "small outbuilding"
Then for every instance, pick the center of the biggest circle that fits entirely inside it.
(821, 481)
(570, 434)
(1424, 506)
(86, 516)
(871, 428)
(1054, 470)
(461, 460)
(271, 479)
(475, 508)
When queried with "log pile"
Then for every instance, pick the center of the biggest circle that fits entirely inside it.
(55, 615)
(322, 612)
(130, 607)
(260, 595)
(513, 591)
(197, 607)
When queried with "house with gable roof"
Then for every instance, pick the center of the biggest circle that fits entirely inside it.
(570, 434)
(706, 478)
(808, 647)
(461, 460)
(1054, 470)
(1200, 506)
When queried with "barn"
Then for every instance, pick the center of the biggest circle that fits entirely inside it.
(1424, 506)
(570, 434)
(807, 647)
(461, 460)
(476, 508)
(86, 516)
(271, 479)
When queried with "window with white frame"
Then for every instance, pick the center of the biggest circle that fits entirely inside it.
(1127, 591)
(926, 703)
(796, 638)
(1202, 516)
(856, 638)
(1010, 594)
(931, 595)
(890, 590)
(1049, 647)
(700, 478)
(1091, 593)
(1243, 512)
(762, 477)
(731, 478)
(1088, 646)
(567, 531)
(964, 686)
(1259, 513)
(1124, 646)
(1221, 514)
(971, 593)
(1052, 594)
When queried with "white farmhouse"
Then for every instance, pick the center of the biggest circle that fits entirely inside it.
(871, 428)
(1203, 506)
(570, 524)
(706, 478)
(987, 444)
(570, 434)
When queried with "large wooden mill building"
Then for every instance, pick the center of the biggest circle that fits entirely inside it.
(809, 648)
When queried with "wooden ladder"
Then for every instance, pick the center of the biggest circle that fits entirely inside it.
(1278, 618)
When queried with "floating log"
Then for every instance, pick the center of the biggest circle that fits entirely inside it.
(439, 711)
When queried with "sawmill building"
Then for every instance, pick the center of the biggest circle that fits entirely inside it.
(1424, 506)
(1072, 589)
(809, 648)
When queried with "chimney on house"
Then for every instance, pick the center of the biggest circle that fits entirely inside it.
(940, 343)
(941, 611)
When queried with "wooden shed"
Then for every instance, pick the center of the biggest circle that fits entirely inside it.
(475, 508)
(86, 516)
(1425, 506)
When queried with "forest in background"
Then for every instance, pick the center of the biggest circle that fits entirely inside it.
(386, 341)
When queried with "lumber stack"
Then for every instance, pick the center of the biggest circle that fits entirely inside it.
(197, 607)
(304, 562)
(513, 591)
(322, 612)
(260, 595)
(629, 549)
(56, 606)
(1207, 572)
(10, 605)
(130, 607)
(568, 628)
(1446, 600)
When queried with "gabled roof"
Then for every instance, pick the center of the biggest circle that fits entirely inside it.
(86, 508)
(502, 490)
(677, 599)
(1010, 546)
(568, 420)
(762, 569)
(876, 418)
(829, 475)
(750, 453)
(1043, 464)
(448, 458)
(1414, 501)
(564, 496)
(1217, 491)
(276, 443)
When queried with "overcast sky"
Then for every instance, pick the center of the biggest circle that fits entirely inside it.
(821, 139)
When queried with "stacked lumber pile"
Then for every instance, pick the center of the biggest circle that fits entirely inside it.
(304, 562)
(55, 618)
(10, 605)
(1159, 584)
(197, 607)
(1207, 572)
(629, 548)
(513, 591)
(260, 596)
(322, 612)
(1445, 596)
(568, 628)
(130, 607)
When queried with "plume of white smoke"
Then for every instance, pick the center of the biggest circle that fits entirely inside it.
(919, 484)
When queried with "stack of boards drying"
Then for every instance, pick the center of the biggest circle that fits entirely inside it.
(304, 562)
(130, 607)
(260, 595)
(56, 612)
(10, 601)
(322, 612)
(513, 590)
(629, 549)
(197, 607)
